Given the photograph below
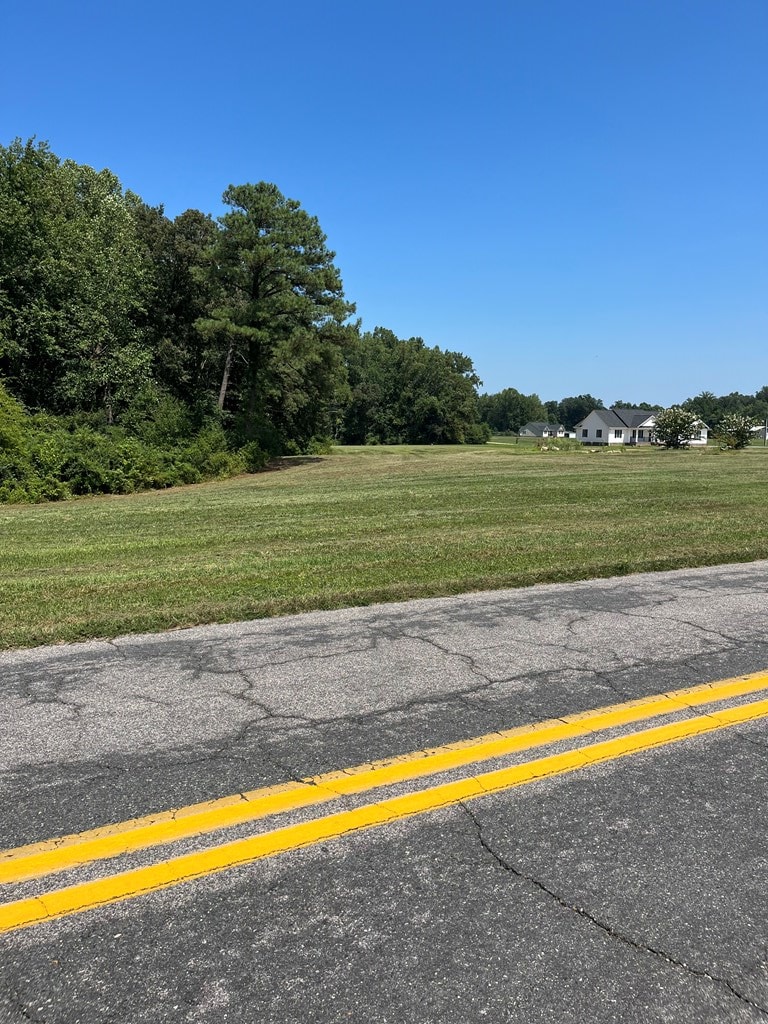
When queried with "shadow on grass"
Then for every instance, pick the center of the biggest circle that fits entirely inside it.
(290, 462)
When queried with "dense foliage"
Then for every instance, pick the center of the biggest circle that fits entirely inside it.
(713, 410)
(405, 392)
(509, 410)
(142, 351)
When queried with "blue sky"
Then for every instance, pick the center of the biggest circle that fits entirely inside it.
(573, 194)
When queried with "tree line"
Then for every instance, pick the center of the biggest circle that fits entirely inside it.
(508, 410)
(142, 350)
(139, 350)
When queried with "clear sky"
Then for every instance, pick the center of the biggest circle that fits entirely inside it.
(573, 194)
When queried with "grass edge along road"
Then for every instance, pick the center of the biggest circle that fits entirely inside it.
(370, 524)
(163, 874)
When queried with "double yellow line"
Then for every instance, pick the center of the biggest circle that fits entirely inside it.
(69, 852)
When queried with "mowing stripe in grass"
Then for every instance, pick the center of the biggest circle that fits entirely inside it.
(369, 524)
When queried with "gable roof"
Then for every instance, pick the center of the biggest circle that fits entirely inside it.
(538, 427)
(621, 416)
(633, 417)
(608, 416)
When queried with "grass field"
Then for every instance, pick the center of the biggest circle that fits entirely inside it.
(370, 524)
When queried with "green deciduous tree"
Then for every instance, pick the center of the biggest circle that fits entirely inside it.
(404, 391)
(572, 410)
(73, 284)
(179, 255)
(509, 410)
(712, 408)
(645, 406)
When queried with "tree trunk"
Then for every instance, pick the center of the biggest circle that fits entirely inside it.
(225, 378)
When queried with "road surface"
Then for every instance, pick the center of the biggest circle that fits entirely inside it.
(445, 862)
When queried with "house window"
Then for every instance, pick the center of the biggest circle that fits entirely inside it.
(640, 435)
(585, 432)
(696, 435)
(618, 433)
(598, 433)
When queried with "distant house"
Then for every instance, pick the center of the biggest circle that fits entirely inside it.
(539, 429)
(624, 425)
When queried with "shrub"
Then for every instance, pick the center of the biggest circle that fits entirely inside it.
(12, 423)
(559, 444)
(675, 427)
(477, 433)
(48, 458)
(320, 446)
(254, 457)
(735, 431)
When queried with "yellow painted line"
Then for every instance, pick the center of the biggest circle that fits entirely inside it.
(129, 884)
(72, 851)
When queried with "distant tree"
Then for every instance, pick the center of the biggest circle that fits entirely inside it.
(509, 410)
(675, 427)
(645, 406)
(552, 411)
(712, 409)
(571, 411)
(735, 431)
(706, 406)
(404, 391)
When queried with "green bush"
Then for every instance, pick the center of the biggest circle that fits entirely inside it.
(49, 458)
(12, 422)
(477, 433)
(561, 444)
(254, 457)
(320, 446)
(735, 431)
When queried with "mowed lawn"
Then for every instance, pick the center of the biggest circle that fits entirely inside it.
(370, 524)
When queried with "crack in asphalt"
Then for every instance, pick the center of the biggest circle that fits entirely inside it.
(727, 638)
(225, 748)
(750, 740)
(120, 649)
(467, 659)
(605, 679)
(606, 928)
(210, 658)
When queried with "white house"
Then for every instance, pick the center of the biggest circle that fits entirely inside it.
(624, 425)
(540, 429)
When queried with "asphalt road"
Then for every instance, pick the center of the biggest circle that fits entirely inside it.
(631, 890)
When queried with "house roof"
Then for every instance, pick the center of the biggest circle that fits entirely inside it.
(538, 427)
(608, 416)
(621, 416)
(633, 417)
(626, 416)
